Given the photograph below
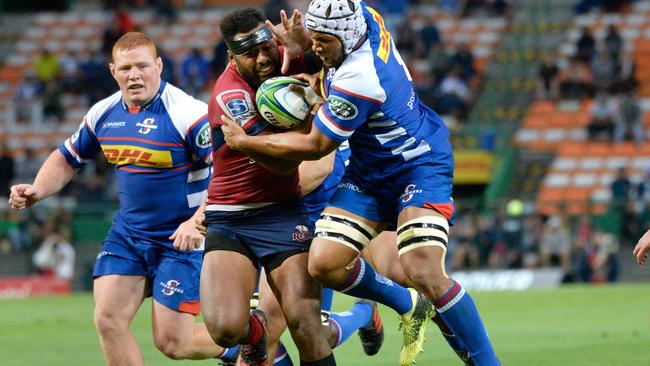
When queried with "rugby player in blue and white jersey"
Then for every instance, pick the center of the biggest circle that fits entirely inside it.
(400, 174)
(158, 138)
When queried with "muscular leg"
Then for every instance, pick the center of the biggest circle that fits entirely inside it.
(299, 297)
(276, 322)
(335, 264)
(424, 266)
(232, 276)
(382, 255)
(177, 336)
(423, 262)
(117, 299)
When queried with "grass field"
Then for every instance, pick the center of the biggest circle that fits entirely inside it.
(573, 326)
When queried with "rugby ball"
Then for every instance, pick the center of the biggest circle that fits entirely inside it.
(279, 105)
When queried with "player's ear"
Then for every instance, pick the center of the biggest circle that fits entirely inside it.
(111, 67)
(231, 57)
(159, 63)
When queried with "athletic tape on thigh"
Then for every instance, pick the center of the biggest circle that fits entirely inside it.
(345, 230)
(422, 231)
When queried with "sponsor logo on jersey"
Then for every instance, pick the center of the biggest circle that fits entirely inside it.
(128, 154)
(350, 186)
(238, 104)
(171, 287)
(203, 137)
(411, 101)
(342, 108)
(409, 192)
(146, 126)
(302, 234)
(114, 124)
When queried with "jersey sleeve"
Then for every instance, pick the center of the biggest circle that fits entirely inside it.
(81, 146)
(199, 140)
(343, 112)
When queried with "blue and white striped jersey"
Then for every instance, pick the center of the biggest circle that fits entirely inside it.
(370, 100)
(162, 155)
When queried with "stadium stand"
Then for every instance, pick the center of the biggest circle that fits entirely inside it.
(580, 175)
(541, 146)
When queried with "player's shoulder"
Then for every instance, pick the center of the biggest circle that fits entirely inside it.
(101, 108)
(234, 97)
(358, 76)
(184, 110)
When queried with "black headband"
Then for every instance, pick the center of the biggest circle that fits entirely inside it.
(243, 45)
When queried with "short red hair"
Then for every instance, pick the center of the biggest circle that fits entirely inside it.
(132, 40)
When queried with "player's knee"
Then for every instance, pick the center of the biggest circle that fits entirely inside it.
(225, 329)
(425, 276)
(305, 327)
(170, 346)
(320, 269)
(109, 323)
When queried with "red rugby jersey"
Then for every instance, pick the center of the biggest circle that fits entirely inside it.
(236, 179)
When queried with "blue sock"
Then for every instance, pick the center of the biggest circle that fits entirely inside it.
(457, 309)
(454, 342)
(347, 322)
(365, 283)
(229, 354)
(328, 297)
(282, 357)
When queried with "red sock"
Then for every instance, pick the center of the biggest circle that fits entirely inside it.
(255, 331)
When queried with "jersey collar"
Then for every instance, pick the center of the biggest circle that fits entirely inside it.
(149, 103)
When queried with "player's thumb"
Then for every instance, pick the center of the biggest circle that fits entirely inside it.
(173, 236)
(285, 65)
(30, 191)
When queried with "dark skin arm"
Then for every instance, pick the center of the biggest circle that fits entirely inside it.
(291, 145)
(308, 143)
(274, 165)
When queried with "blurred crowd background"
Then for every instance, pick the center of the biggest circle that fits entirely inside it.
(548, 103)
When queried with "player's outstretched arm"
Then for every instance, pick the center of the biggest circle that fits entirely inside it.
(292, 34)
(190, 234)
(54, 174)
(641, 249)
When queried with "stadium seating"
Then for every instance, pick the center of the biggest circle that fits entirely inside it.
(578, 179)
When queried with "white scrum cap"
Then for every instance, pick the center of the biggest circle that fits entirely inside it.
(341, 18)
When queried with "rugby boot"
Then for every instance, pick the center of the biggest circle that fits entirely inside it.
(372, 335)
(229, 361)
(414, 325)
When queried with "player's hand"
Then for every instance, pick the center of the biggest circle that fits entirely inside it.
(22, 196)
(202, 227)
(641, 249)
(312, 80)
(188, 236)
(308, 93)
(291, 33)
(233, 133)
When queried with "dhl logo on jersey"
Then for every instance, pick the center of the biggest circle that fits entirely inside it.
(384, 36)
(128, 154)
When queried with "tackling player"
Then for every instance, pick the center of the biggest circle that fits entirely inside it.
(158, 138)
(254, 212)
(400, 174)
